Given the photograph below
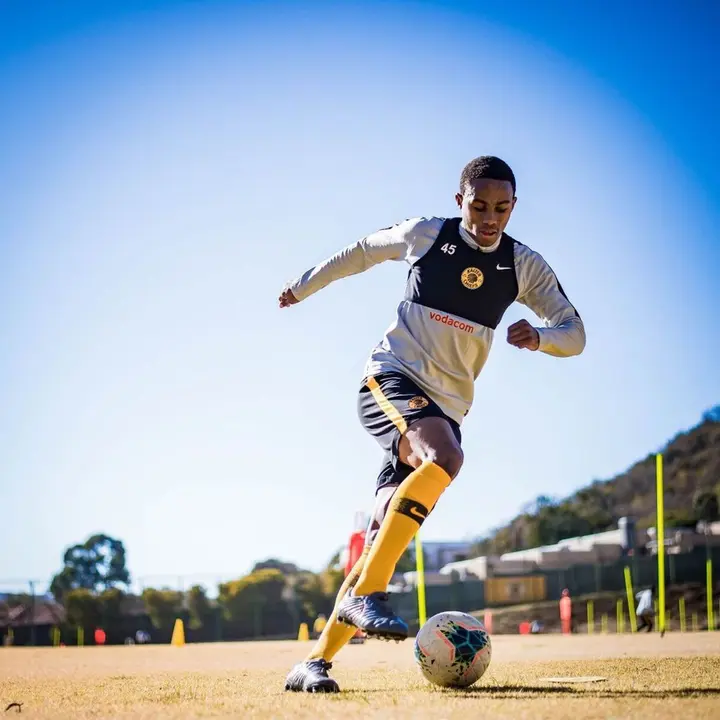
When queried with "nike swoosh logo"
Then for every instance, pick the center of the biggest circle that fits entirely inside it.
(499, 267)
(413, 509)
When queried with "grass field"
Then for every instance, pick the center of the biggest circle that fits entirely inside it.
(647, 676)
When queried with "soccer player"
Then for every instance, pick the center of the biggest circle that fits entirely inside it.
(464, 273)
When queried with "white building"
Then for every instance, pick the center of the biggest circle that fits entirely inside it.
(439, 554)
(604, 547)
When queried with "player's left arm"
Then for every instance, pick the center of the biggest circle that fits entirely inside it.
(563, 334)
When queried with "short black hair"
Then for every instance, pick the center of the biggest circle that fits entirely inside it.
(488, 167)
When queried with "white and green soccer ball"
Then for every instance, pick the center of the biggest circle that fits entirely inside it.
(453, 649)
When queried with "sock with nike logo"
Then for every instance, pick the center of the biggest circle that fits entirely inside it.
(412, 502)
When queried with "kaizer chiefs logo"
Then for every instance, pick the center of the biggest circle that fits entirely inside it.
(472, 278)
(418, 402)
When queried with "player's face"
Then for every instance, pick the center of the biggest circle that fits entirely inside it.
(486, 206)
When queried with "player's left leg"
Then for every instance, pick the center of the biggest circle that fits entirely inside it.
(336, 635)
(311, 675)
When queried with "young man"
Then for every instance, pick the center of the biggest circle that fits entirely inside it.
(418, 386)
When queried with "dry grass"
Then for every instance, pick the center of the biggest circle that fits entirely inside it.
(647, 677)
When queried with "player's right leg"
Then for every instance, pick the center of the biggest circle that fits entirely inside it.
(418, 434)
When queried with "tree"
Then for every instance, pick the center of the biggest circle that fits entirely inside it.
(712, 415)
(110, 604)
(502, 541)
(480, 547)
(555, 523)
(679, 519)
(82, 609)
(331, 579)
(334, 561)
(312, 599)
(97, 564)
(254, 605)
(163, 607)
(201, 610)
(540, 502)
(286, 568)
(592, 503)
(705, 506)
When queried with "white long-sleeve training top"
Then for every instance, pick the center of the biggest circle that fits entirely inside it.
(456, 294)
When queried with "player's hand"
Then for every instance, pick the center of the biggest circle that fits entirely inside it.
(523, 335)
(287, 299)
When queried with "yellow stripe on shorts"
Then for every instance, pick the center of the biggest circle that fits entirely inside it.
(386, 406)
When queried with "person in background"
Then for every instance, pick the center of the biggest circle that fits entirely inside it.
(566, 612)
(644, 610)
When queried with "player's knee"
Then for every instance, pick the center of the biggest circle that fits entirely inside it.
(450, 458)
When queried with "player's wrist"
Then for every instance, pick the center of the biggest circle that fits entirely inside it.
(293, 290)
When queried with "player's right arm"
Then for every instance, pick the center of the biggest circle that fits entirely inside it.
(407, 240)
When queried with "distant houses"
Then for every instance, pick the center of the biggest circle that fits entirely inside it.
(601, 548)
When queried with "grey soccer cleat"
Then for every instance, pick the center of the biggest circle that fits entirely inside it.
(311, 676)
(373, 615)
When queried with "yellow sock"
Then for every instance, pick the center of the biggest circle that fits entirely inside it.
(337, 635)
(412, 502)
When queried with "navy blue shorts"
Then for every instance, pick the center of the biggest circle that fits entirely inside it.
(388, 404)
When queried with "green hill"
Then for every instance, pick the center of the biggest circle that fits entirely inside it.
(692, 487)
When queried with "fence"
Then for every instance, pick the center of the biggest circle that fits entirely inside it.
(472, 595)
(585, 579)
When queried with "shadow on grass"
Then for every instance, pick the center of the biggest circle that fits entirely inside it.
(523, 691)
(598, 692)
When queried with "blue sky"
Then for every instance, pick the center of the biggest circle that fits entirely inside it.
(168, 166)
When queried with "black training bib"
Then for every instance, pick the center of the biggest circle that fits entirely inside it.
(454, 278)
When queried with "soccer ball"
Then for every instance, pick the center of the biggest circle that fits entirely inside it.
(453, 649)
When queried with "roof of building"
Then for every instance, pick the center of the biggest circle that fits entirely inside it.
(42, 612)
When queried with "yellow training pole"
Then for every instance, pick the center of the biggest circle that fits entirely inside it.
(420, 560)
(603, 623)
(620, 617)
(631, 604)
(710, 614)
(590, 617)
(80, 636)
(655, 612)
(660, 536)
(695, 624)
(681, 610)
